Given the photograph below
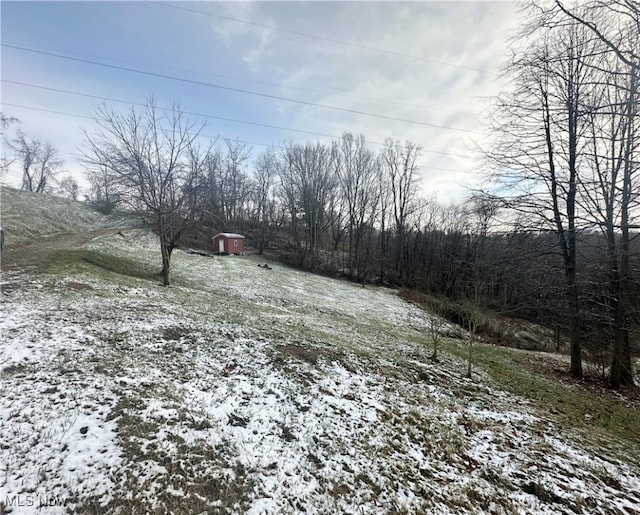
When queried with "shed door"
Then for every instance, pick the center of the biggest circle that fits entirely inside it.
(221, 245)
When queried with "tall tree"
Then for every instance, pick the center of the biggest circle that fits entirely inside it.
(356, 169)
(39, 162)
(307, 180)
(264, 178)
(611, 198)
(234, 186)
(150, 154)
(541, 127)
(400, 162)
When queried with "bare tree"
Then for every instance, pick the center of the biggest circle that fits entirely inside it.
(39, 162)
(6, 160)
(472, 316)
(265, 171)
(234, 187)
(356, 169)
(610, 32)
(211, 213)
(615, 22)
(5, 122)
(151, 157)
(307, 181)
(610, 196)
(383, 219)
(400, 162)
(103, 189)
(542, 127)
(69, 188)
(436, 325)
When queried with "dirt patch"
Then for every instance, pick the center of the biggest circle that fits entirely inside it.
(79, 286)
(37, 253)
(9, 287)
(308, 354)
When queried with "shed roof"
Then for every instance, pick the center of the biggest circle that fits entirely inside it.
(229, 235)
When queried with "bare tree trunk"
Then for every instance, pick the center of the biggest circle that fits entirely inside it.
(166, 261)
(621, 368)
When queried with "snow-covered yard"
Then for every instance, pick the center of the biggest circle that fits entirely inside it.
(241, 389)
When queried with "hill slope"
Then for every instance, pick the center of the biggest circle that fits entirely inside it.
(26, 217)
(246, 389)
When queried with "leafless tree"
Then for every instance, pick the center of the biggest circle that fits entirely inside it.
(472, 315)
(212, 213)
(357, 171)
(103, 194)
(610, 33)
(307, 180)
(150, 154)
(234, 186)
(542, 126)
(436, 325)
(264, 177)
(383, 219)
(6, 160)
(69, 188)
(614, 22)
(6, 121)
(400, 163)
(610, 195)
(39, 162)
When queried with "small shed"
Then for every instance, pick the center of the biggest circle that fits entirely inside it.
(228, 243)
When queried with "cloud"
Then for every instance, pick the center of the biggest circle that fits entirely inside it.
(250, 41)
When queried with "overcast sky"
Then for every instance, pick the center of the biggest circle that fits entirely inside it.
(424, 68)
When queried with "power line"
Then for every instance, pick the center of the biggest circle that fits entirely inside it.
(19, 106)
(73, 115)
(317, 37)
(258, 124)
(262, 82)
(98, 97)
(236, 90)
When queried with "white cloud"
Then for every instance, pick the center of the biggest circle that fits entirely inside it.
(249, 40)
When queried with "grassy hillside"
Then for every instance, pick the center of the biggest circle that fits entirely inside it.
(242, 389)
(26, 216)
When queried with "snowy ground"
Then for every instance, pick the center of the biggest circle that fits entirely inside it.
(241, 389)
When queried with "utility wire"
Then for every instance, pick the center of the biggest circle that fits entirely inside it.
(258, 124)
(19, 106)
(261, 82)
(73, 115)
(139, 104)
(315, 36)
(227, 88)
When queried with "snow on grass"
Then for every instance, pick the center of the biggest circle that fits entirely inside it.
(242, 389)
(27, 216)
